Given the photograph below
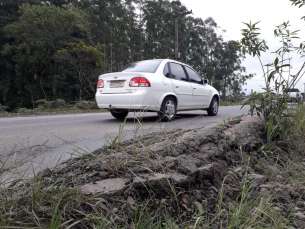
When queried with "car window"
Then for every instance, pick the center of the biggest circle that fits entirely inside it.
(293, 90)
(194, 77)
(177, 72)
(142, 66)
(166, 71)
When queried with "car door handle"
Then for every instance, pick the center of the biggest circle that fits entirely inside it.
(194, 87)
(177, 86)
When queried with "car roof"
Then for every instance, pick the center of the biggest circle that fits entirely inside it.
(171, 60)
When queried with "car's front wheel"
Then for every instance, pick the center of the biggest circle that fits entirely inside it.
(213, 108)
(119, 114)
(168, 110)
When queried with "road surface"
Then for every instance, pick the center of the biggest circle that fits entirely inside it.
(30, 144)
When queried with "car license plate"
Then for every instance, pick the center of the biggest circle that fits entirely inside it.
(117, 83)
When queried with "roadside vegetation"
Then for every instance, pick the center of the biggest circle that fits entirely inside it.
(59, 106)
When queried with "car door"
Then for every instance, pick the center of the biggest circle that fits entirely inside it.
(200, 91)
(182, 86)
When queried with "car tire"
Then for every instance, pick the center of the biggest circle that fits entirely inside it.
(168, 110)
(213, 108)
(119, 115)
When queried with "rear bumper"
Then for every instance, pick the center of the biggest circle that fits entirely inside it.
(137, 101)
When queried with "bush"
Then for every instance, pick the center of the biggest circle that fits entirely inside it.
(44, 104)
(86, 105)
(3, 108)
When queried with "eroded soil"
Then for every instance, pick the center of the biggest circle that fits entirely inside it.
(182, 171)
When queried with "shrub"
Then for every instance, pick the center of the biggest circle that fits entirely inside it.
(86, 105)
(3, 108)
(44, 104)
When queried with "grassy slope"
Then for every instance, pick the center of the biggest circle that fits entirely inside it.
(272, 199)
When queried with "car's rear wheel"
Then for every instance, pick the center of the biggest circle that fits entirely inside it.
(119, 114)
(213, 108)
(168, 110)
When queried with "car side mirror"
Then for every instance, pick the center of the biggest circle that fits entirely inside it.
(205, 81)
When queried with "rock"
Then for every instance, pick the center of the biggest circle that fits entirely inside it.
(300, 204)
(263, 190)
(124, 206)
(132, 225)
(276, 208)
(204, 202)
(255, 176)
(186, 196)
(265, 186)
(185, 200)
(115, 210)
(296, 209)
(240, 175)
(299, 223)
(185, 206)
(254, 153)
(159, 180)
(45, 173)
(198, 206)
(214, 189)
(157, 202)
(105, 186)
(130, 200)
(232, 174)
(279, 177)
(163, 201)
(103, 174)
(298, 215)
(294, 195)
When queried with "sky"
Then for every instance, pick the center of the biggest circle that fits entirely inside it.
(230, 15)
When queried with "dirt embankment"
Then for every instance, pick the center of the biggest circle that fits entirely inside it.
(179, 170)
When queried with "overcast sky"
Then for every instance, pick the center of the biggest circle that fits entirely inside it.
(229, 15)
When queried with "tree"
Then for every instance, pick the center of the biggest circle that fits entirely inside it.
(235, 89)
(36, 36)
(86, 61)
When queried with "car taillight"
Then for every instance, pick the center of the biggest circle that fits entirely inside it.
(100, 84)
(139, 82)
(297, 94)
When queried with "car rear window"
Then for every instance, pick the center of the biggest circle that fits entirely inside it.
(142, 66)
(292, 90)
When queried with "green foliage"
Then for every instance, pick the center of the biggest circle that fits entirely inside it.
(3, 108)
(271, 104)
(86, 63)
(34, 40)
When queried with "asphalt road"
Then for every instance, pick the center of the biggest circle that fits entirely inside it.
(30, 144)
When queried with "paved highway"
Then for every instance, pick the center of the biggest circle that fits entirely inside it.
(30, 144)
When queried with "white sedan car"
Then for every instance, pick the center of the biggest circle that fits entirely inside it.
(161, 85)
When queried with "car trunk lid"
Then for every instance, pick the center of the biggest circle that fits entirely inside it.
(118, 83)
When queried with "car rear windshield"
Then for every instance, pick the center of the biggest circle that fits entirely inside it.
(142, 66)
(292, 90)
